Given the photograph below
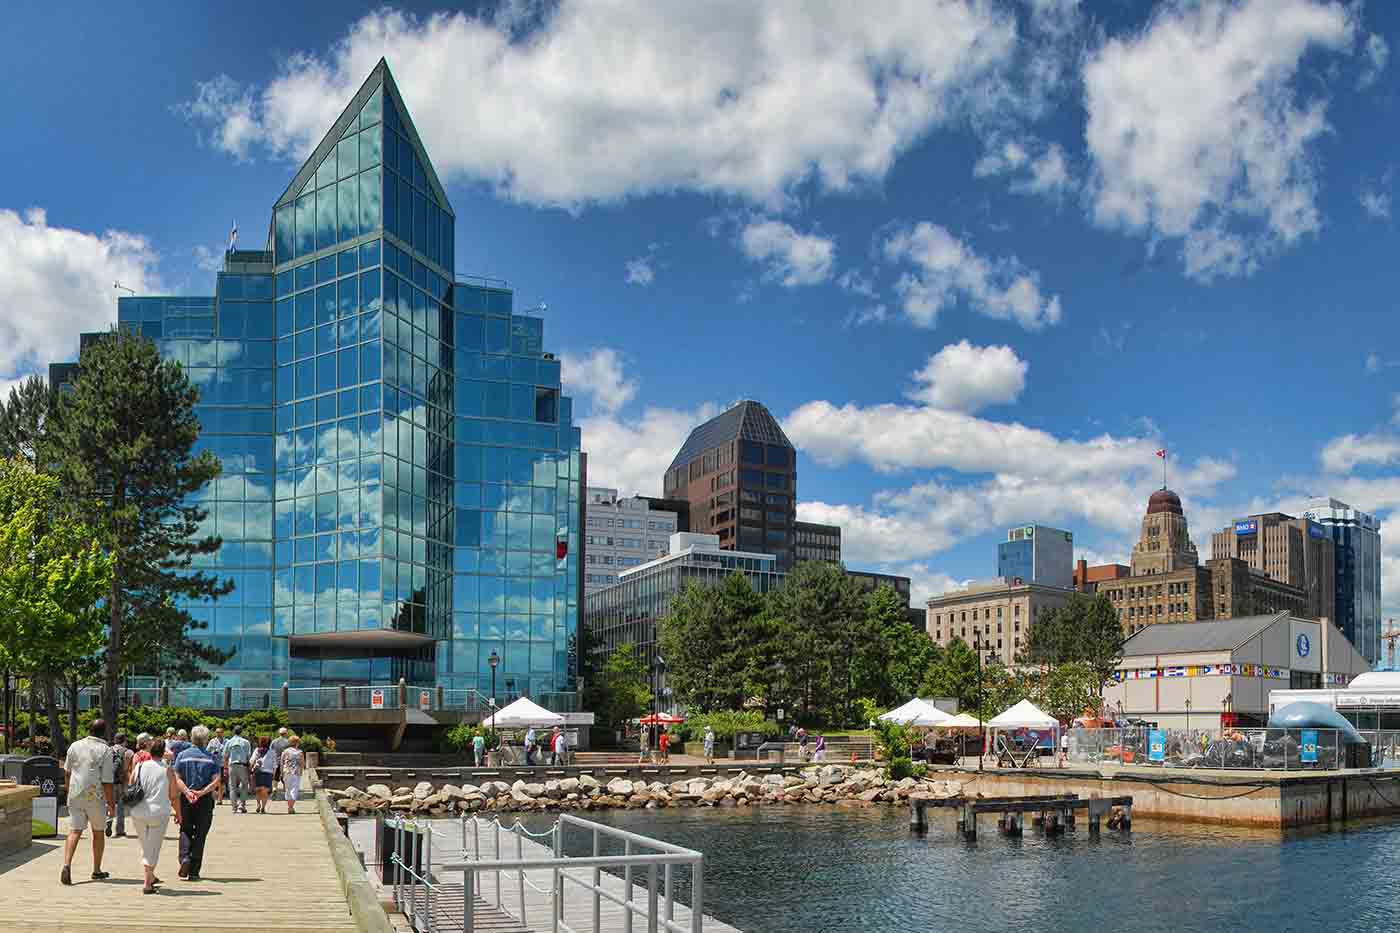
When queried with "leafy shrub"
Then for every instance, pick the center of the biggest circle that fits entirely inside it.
(311, 743)
(728, 723)
(458, 739)
(900, 768)
(919, 771)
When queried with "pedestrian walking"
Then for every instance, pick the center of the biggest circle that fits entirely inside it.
(479, 749)
(643, 743)
(199, 773)
(123, 760)
(264, 767)
(819, 749)
(530, 746)
(291, 771)
(278, 746)
(182, 742)
(88, 770)
(802, 744)
(709, 745)
(238, 752)
(559, 746)
(216, 749)
(664, 740)
(160, 791)
(143, 749)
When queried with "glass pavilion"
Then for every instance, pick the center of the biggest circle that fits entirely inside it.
(402, 481)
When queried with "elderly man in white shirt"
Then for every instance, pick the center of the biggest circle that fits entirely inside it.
(90, 774)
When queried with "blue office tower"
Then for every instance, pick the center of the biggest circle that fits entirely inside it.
(402, 480)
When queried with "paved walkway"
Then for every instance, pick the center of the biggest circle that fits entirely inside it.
(266, 873)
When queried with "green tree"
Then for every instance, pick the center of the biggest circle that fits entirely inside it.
(1086, 630)
(621, 689)
(26, 419)
(52, 575)
(955, 675)
(893, 658)
(1066, 690)
(703, 640)
(1002, 689)
(126, 443)
(823, 610)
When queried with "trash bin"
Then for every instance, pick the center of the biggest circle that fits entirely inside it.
(10, 767)
(44, 773)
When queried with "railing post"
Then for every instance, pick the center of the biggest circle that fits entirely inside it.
(697, 896)
(164, 696)
(468, 900)
(228, 698)
(627, 894)
(558, 901)
(344, 697)
(651, 899)
(441, 693)
(285, 686)
(520, 873)
(403, 693)
(670, 894)
(597, 885)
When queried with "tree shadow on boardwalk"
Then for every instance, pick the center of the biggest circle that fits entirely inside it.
(38, 849)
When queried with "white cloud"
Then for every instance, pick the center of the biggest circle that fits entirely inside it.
(1345, 453)
(1036, 167)
(598, 100)
(1376, 203)
(598, 375)
(1196, 131)
(791, 258)
(872, 314)
(639, 271)
(56, 282)
(963, 377)
(857, 283)
(947, 270)
(1377, 54)
(632, 454)
(208, 260)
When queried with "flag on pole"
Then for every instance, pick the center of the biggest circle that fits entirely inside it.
(1162, 453)
(233, 236)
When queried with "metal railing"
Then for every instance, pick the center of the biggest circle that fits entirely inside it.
(385, 696)
(1219, 749)
(496, 867)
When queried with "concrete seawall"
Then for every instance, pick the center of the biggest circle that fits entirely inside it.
(1268, 800)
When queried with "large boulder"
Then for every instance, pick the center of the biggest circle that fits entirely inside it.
(520, 797)
(833, 774)
(423, 790)
(569, 786)
(534, 790)
(379, 790)
(618, 787)
(401, 790)
(401, 800)
(588, 784)
(697, 787)
(450, 792)
(353, 791)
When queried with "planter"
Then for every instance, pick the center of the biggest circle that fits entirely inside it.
(313, 759)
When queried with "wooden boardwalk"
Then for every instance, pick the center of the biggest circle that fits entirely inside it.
(266, 873)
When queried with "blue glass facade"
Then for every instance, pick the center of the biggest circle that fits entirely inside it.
(402, 479)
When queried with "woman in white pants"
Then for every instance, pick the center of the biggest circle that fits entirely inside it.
(159, 789)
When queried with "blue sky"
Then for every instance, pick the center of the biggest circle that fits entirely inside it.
(981, 258)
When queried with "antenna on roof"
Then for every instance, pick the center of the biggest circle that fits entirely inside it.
(122, 287)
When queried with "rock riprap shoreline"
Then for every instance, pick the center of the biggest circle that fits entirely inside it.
(830, 784)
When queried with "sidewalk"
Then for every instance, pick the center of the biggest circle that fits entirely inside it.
(270, 872)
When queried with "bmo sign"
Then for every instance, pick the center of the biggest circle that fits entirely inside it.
(1247, 526)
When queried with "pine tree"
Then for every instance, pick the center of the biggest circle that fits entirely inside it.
(26, 419)
(125, 452)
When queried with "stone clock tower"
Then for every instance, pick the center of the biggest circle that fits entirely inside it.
(1165, 544)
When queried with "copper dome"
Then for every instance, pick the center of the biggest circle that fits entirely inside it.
(1164, 500)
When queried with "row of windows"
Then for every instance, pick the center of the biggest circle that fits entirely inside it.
(611, 561)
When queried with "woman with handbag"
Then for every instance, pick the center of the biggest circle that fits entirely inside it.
(150, 796)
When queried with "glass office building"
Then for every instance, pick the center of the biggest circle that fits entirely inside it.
(402, 481)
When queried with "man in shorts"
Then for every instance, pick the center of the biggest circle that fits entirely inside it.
(89, 775)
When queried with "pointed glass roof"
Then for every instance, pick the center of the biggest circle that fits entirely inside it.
(378, 96)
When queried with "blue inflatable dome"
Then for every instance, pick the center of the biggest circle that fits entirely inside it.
(1305, 714)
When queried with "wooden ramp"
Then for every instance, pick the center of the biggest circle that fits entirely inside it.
(269, 873)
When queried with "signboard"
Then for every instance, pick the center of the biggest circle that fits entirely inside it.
(1316, 531)
(425, 700)
(1247, 526)
(1030, 531)
(44, 817)
(1307, 751)
(780, 714)
(376, 699)
(1156, 745)
(1304, 644)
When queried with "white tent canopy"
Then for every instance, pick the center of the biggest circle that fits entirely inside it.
(521, 715)
(962, 721)
(1024, 715)
(917, 712)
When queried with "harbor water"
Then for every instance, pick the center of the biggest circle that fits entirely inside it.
(804, 869)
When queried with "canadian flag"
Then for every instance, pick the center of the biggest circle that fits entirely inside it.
(1162, 453)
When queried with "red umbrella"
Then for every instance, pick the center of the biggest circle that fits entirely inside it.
(665, 719)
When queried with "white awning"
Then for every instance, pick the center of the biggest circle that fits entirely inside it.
(522, 714)
(1024, 715)
(917, 712)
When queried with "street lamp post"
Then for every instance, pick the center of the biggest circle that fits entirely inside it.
(658, 667)
(977, 647)
(1188, 719)
(494, 660)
